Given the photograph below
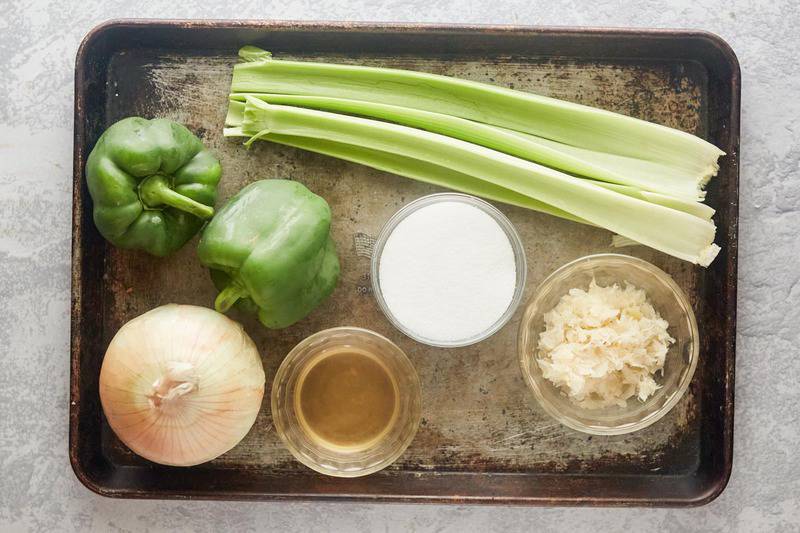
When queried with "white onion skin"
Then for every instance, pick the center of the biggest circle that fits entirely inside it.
(202, 424)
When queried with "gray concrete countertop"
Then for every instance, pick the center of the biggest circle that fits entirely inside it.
(38, 491)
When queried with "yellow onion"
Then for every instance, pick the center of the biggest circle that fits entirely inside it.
(181, 385)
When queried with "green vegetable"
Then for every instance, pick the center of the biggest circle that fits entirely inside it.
(269, 249)
(152, 183)
(451, 179)
(689, 237)
(692, 159)
(411, 168)
(645, 175)
(687, 206)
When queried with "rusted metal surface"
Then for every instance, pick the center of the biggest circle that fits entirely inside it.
(483, 438)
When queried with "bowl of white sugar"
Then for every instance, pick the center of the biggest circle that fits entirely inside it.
(448, 270)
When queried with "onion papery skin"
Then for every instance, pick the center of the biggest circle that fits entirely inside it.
(180, 385)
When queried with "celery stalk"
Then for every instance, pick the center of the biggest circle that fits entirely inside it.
(448, 178)
(565, 122)
(411, 168)
(645, 175)
(687, 206)
(689, 237)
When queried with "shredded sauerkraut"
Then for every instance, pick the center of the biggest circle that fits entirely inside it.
(604, 345)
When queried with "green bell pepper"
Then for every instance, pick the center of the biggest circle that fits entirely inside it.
(152, 183)
(270, 252)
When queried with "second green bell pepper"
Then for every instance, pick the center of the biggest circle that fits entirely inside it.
(270, 252)
(153, 184)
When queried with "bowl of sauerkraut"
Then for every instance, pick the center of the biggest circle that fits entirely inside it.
(608, 344)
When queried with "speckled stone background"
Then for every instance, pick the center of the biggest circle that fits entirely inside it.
(38, 492)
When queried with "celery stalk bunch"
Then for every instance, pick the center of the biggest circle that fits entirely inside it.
(580, 163)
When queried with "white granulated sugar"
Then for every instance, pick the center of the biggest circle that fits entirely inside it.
(447, 272)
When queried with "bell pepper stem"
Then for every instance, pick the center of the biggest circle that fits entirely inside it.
(228, 296)
(154, 191)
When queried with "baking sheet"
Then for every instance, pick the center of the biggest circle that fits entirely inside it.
(480, 425)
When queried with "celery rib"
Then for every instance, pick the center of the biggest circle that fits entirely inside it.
(565, 122)
(687, 206)
(448, 178)
(689, 237)
(645, 175)
(411, 168)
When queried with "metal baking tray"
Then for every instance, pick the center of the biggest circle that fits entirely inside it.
(483, 438)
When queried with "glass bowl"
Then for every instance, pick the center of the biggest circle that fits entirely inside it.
(668, 300)
(503, 222)
(343, 462)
